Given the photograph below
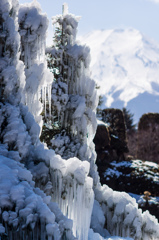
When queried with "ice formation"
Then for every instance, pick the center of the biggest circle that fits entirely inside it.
(25, 211)
(72, 190)
(122, 216)
(32, 177)
(32, 28)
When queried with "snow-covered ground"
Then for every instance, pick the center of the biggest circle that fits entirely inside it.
(125, 64)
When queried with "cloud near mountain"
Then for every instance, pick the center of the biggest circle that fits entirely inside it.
(125, 64)
(155, 1)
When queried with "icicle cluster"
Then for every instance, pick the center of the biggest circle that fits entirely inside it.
(32, 28)
(122, 216)
(72, 190)
(36, 215)
(25, 211)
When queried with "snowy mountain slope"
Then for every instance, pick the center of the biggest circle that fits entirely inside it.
(125, 64)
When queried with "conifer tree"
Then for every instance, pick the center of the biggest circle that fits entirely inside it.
(128, 117)
(60, 63)
(99, 110)
(74, 97)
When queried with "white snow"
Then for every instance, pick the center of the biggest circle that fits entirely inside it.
(123, 218)
(17, 194)
(151, 164)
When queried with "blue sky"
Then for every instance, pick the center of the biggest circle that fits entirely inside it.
(106, 14)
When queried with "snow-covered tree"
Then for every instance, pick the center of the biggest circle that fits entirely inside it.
(25, 211)
(74, 97)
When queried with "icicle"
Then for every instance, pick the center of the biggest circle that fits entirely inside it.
(26, 54)
(49, 98)
(45, 99)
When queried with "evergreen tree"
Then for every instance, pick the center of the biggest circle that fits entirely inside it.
(100, 102)
(128, 117)
(60, 63)
(115, 119)
(74, 98)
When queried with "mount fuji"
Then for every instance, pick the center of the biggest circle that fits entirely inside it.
(125, 64)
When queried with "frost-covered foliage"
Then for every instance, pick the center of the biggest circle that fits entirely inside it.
(11, 69)
(65, 32)
(58, 178)
(25, 211)
(74, 98)
(32, 28)
(35, 214)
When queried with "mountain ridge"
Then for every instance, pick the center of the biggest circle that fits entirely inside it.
(125, 64)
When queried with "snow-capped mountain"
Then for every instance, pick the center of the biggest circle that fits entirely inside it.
(125, 64)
